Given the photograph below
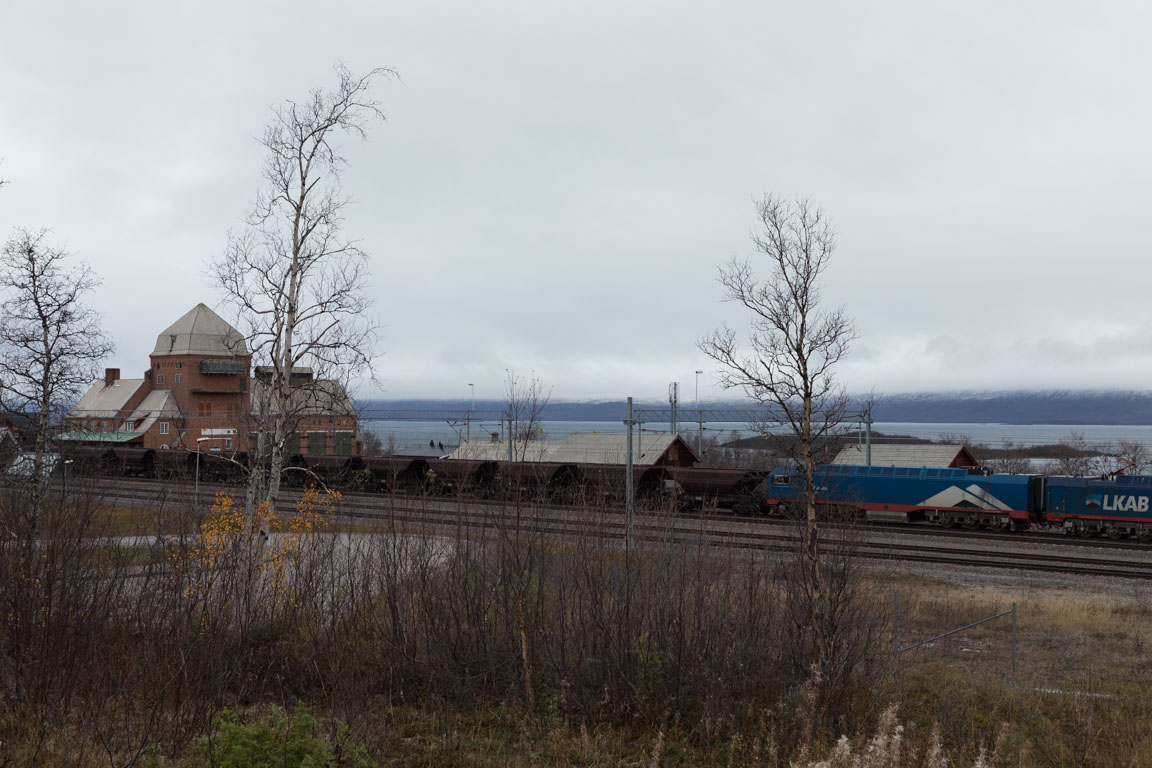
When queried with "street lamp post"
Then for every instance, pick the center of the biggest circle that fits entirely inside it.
(699, 418)
(65, 475)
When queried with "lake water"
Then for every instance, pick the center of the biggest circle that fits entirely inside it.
(418, 433)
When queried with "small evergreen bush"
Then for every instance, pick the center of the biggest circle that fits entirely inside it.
(280, 740)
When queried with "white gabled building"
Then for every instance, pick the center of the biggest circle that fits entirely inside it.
(915, 455)
(647, 450)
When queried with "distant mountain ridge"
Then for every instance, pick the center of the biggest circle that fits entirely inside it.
(1042, 407)
(1034, 407)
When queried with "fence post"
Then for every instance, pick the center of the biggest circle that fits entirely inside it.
(1013, 638)
(779, 619)
(895, 621)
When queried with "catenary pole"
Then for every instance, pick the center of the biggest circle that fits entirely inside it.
(699, 419)
(629, 491)
(472, 410)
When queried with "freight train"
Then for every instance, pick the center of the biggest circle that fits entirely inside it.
(1116, 506)
(699, 487)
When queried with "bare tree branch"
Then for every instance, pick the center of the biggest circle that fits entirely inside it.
(51, 344)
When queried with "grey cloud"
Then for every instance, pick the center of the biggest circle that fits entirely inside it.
(556, 182)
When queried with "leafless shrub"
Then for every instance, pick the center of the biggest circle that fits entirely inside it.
(1075, 458)
(716, 454)
(142, 642)
(850, 620)
(138, 644)
(1130, 457)
(1011, 459)
(374, 446)
(526, 398)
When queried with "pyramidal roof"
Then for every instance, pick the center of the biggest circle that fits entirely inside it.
(200, 332)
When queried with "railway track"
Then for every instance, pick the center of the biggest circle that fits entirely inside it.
(1054, 537)
(717, 533)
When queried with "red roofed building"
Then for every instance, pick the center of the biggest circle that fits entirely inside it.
(198, 388)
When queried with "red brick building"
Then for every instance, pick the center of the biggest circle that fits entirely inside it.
(198, 390)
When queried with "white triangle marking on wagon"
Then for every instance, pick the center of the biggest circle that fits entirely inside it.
(954, 496)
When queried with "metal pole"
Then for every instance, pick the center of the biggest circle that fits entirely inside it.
(629, 500)
(509, 435)
(868, 431)
(896, 621)
(468, 421)
(1013, 638)
(699, 419)
(779, 619)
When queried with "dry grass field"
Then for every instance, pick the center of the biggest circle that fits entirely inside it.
(505, 649)
(1082, 696)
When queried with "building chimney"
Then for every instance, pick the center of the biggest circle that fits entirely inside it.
(111, 375)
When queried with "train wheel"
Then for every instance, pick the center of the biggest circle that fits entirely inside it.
(1144, 535)
(1086, 533)
(1114, 533)
(972, 524)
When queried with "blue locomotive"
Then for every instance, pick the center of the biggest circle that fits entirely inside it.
(1115, 505)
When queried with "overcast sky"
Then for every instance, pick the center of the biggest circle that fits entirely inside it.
(556, 182)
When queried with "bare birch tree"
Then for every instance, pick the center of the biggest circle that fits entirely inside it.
(51, 347)
(787, 358)
(527, 400)
(298, 282)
